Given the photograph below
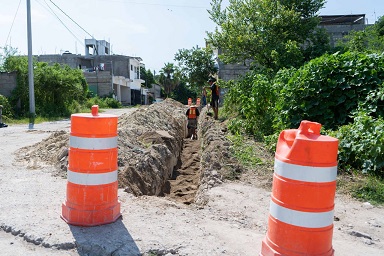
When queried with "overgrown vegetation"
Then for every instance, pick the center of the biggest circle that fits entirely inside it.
(244, 151)
(361, 145)
(7, 109)
(328, 89)
(270, 33)
(370, 189)
(251, 101)
(59, 91)
(341, 90)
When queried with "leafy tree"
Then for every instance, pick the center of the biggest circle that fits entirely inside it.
(271, 33)
(169, 78)
(147, 76)
(7, 52)
(379, 26)
(307, 8)
(20, 95)
(196, 65)
(182, 93)
(371, 39)
(356, 41)
(251, 103)
(56, 87)
(317, 44)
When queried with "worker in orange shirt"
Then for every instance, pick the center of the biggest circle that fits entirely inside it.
(192, 116)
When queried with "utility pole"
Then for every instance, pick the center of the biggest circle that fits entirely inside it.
(30, 69)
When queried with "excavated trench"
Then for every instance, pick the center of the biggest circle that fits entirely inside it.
(154, 156)
(185, 180)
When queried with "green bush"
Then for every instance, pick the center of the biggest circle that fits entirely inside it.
(55, 87)
(112, 103)
(103, 102)
(251, 100)
(328, 89)
(7, 110)
(361, 145)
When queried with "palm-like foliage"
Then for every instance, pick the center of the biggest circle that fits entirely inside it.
(169, 78)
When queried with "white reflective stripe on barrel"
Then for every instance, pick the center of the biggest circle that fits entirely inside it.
(91, 178)
(93, 143)
(301, 219)
(305, 173)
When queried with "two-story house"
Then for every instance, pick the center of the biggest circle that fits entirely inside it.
(106, 75)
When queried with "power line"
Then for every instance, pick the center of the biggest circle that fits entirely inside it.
(170, 5)
(70, 18)
(52, 12)
(6, 41)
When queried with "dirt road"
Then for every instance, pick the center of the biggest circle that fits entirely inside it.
(233, 222)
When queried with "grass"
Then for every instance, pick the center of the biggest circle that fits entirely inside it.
(254, 156)
(244, 151)
(371, 190)
(38, 120)
(363, 187)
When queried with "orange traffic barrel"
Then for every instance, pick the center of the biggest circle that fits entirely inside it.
(92, 170)
(189, 101)
(198, 102)
(300, 218)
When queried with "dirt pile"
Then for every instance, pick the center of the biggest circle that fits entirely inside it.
(51, 151)
(150, 142)
(217, 163)
(154, 156)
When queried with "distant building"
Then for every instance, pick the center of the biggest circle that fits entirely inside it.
(339, 26)
(106, 75)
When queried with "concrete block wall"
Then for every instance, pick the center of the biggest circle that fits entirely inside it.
(102, 79)
(337, 32)
(232, 71)
(7, 83)
(71, 60)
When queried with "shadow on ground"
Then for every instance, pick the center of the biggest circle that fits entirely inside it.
(111, 239)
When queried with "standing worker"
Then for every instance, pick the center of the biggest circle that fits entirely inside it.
(215, 96)
(192, 115)
(204, 97)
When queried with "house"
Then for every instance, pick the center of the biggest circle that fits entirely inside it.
(107, 75)
(339, 26)
(152, 94)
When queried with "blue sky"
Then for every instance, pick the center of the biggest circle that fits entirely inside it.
(151, 29)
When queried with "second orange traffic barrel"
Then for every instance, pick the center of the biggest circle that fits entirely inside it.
(92, 170)
(304, 183)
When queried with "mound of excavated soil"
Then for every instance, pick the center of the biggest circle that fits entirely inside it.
(51, 151)
(150, 146)
(154, 157)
